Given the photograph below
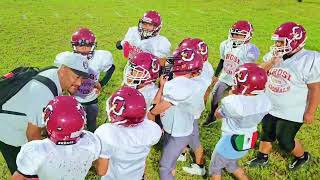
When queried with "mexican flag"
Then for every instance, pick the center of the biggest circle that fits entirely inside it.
(244, 141)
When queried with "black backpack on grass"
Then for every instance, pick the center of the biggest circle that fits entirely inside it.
(14, 81)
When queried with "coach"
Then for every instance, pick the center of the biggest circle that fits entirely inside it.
(16, 130)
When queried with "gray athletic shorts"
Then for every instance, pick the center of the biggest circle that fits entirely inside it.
(218, 162)
(173, 147)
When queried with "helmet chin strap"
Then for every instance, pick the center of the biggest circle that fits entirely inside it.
(290, 54)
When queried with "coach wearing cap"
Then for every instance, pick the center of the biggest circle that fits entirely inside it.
(16, 130)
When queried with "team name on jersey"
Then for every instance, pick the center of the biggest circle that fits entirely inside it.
(279, 80)
(231, 57)
(230, 64)
(277, 72)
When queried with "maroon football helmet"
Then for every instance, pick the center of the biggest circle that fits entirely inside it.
(142, 69)
(65, 119)
(84, 37)
(151, 17)
(292, 34)
(126, 107)
(186, 60)
(197, 44)
(249, 78)
(242, 27)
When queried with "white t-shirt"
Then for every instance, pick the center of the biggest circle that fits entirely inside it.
(56, 162)
(100, 62)
(234, 57)
(183, 94)
(149, 92)
(287, 84)
(127, 148)
(31, 100)
(158, 45)
(242, 113)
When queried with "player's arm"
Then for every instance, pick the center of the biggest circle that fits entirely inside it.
(213, 81)
(313, 100)
(157, 98)
(19, 176)
(33, 132)
(101, 166)
(107, 76)
(267, 65)
(218, 114)
(158, 105)
(158, 109)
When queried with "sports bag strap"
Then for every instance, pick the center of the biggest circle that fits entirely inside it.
(48, 82)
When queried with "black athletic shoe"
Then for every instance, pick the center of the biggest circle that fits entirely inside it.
(298, 162)
(258, 162)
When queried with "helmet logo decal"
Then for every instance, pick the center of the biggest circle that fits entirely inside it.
(47, 112)
(296, 34)
(185, 53)
(118, 105)
(154, 66)
(241, 75)
(203, 48)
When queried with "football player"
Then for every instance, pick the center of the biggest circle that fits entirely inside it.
(84, 42)
(146, 37)
(141, 72)
(179, 100)
(234, 51)
(294, 88)
(127, 140)
(241, 112)
(204, 78)
(67, 153)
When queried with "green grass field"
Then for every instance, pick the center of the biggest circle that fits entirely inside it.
(33, 32)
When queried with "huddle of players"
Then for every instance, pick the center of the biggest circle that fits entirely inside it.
(165, 95)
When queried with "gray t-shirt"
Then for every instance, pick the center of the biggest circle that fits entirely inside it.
(31, 100)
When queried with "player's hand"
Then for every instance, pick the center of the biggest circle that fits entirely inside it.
(163, 80)
(308, 118)
(97, 88)
(118, 45)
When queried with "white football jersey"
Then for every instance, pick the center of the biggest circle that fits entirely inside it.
(158, 45)
(59, 162)
(149, 92)
(100, 62)
(287, 84)
(234, 57)
(242, 113)
(207, 72)
(127, 148)
(187, 100)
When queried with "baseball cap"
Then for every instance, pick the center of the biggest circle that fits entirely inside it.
(76, 62)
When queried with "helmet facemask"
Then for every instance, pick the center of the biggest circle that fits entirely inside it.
(238, 42)
(86, 43)
(145, 34)
(135, 76)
